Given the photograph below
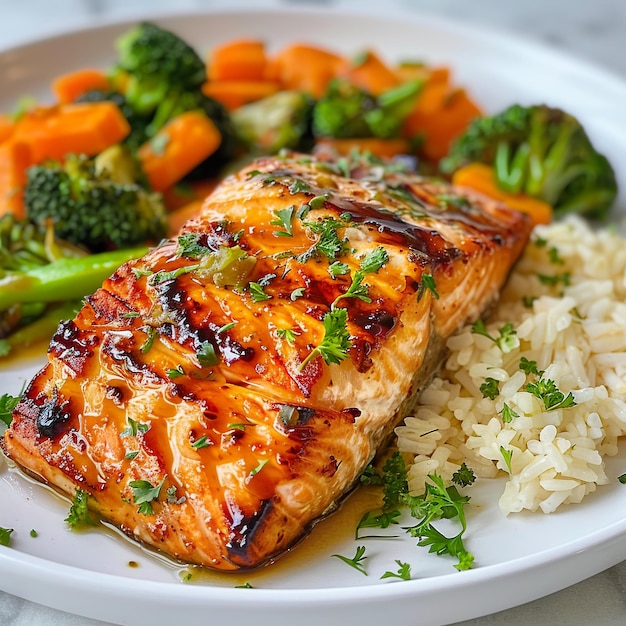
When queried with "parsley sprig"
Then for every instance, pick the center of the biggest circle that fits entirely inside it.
(7, 404)
(506, 339)
(552, 397)
(336, 341)
(78, 516)
(144, 493)
(356, 561)
(436, 503)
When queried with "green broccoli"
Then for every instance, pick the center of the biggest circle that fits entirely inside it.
(157, 62)
(95, 202)
(346, 111)
(543, 152)
(282, 120)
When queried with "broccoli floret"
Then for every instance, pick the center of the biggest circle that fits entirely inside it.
(95, 202)
(282, 120)
(349, 112)
(157, 62)
(138, 122)
(543, 152)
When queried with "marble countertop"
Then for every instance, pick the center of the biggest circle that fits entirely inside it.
(594, 31)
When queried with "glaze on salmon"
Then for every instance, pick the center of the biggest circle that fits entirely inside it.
(248, 370)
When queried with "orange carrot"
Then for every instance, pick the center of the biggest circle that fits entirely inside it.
(6, 127)
(379, 147)
(481, 178)
(440, 115)
(68, 87)
(240, 59)
(236, 93)
(180, 195)
(371, 74)
(176, 219)
(177, 148)
(306, 68)
(85, 128)
(15, 158)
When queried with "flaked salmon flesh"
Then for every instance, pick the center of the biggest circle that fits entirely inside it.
(218, 396)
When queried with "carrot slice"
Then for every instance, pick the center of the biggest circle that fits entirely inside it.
(371, 74)
(176, 219)
(15, 158)
(68, 87)
(240, 59)
(79, 128)
(6, 127)
(306, 68)
(481, 178)
(440, 115)
(177, 148)
(379, 147)
(236, 93)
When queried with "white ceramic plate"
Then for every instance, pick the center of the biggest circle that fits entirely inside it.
(518, 559)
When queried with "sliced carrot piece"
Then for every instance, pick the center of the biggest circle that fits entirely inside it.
(481, 178)
(371, 74)
(306, 68)
(176, 219)
(177, 148)
(79, 128)
(240, 59)
(379, 147)
(15, 158)
(440, 116)
(236, 93)
(6, 127)
(68, 87)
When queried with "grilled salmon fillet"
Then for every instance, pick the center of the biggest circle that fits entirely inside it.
(219, 395)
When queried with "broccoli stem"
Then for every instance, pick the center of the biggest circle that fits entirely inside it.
(65, 279)
(39, 330)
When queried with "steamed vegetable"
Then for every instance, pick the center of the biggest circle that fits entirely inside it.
(542, 152)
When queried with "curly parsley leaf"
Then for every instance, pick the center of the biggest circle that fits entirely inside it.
(336, 342)
(7, 405)
(284, 219)
(506, 340)
(464, 476)
(508, 414)
(370, 264)
(546, 390)
(427, 284)
(529, 367)
(78, 516)
(403, 573)
(373, 520)
(5, 536)
(356, 561)
(490, 388)
(144, 493)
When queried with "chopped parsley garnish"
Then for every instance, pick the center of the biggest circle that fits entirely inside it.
(189, 246)
(403, 573)
(296, 293)
(427, 284)
(336, 342)
(172, 495)
(244, 586)
(287, 335)
(299, 186)
(78, 516)
(5, 536)
(370, 264)
(552, 398)
(144, 493)
(507, 455)
(206, 355)
(338, 269)
(257, 292)
(529, 367)
(508, 414)
(371, 519)
(7, 405)
(284, 219)
(356, 561)
(201, 442)
(553, 255)
(507, 339)
(134, 427)
(151, 334)
(438, 502)
(528, 301)
(622, 479)
(226, 327)
(33, 533)
(553, 280)
(490, 388)
(175, 372)
(328, 243)
(138, 272)
(258, 468)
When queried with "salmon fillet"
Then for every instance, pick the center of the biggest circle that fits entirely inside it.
(219, 395)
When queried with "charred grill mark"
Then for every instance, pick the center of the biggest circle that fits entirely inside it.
(52, 416)
(243, 528)
(72, 345)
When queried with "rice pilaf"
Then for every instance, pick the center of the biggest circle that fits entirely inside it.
(539, 391)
